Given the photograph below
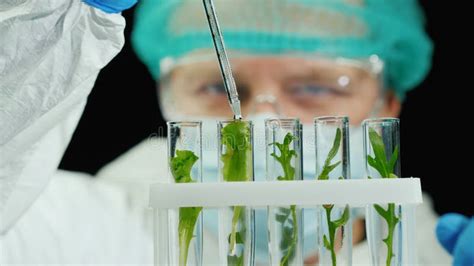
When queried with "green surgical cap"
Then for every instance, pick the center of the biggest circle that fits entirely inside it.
(391, 29)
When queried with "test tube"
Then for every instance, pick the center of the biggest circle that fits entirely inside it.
(185, 165)
(284, 163)
(332, 163)
(236, 223)
(383, 221)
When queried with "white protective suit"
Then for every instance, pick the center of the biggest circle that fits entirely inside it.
(51, 52)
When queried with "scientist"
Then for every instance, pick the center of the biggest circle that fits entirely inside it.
(290, 58)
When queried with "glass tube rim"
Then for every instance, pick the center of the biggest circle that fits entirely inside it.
(381, 121)
(227, 121)
(285, 122)
(333, 118)
(184, 123)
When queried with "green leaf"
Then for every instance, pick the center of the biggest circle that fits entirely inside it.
(288, 231)
(286, 211)
(395, 220)
(236, 216)
(285, 158)
(286, 239)
(235, 260)
(332, 167)
(281, 218)
(382, 212)
(375, 164)
(236, 140)
(328, 168)
(393, 160)
(344, 218)
(335, 147)
(187, 222)
(326, 243)
(288, 139)
(238, 238)
(392, 176)
(379, 151)
(181, 165)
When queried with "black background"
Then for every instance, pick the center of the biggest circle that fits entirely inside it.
(122, 110)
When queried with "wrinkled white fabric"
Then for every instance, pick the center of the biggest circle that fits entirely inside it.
(77, 220)
(51, 52)
(148, 161)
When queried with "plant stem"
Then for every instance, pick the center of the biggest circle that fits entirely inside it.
(392, 222)
(187, 222)
(291, 249)
(391, 219)
(183, 243)
(233, 234)
(332, 233)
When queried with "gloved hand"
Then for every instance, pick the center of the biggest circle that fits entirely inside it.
(111, 6)
(456, 233)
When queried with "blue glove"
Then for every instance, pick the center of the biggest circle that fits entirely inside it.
(456, 233)
(111, 6)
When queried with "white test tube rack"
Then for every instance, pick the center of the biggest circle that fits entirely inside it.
(307, 193)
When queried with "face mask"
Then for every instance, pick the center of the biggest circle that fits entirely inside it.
(210, 173)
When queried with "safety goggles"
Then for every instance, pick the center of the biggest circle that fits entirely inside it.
(289, 86)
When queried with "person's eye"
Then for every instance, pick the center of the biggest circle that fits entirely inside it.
(310, 90)
(215, 89)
